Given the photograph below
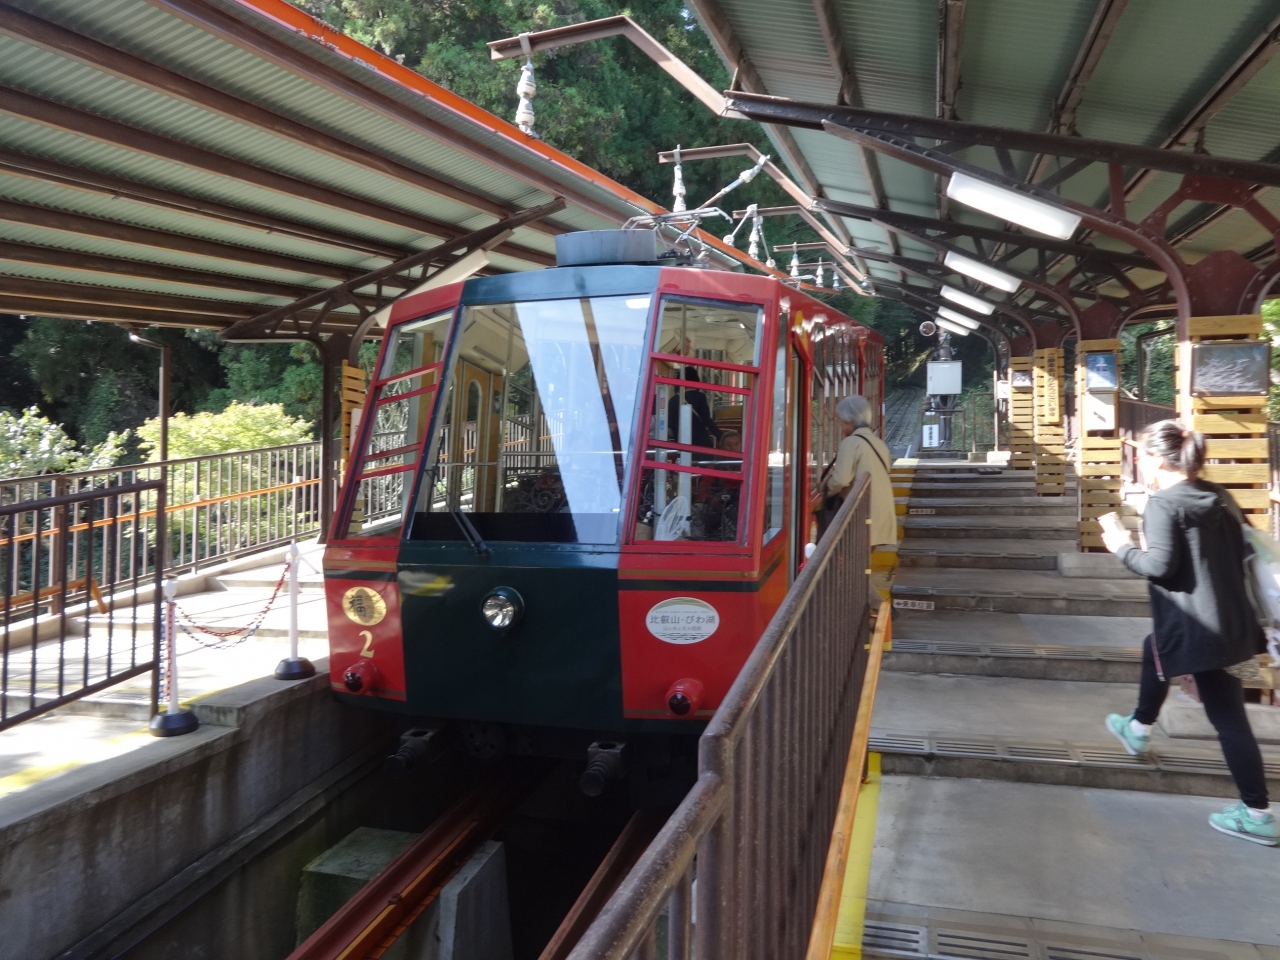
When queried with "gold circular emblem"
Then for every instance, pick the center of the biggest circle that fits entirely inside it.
(364, 606)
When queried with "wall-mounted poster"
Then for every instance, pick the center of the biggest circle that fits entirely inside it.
(1100, 411)
(1230, 368)
(1020, 378)
(1100, 371)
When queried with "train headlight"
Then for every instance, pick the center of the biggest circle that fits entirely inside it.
(502, 608)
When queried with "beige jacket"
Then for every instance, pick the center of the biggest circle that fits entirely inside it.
(863, 452)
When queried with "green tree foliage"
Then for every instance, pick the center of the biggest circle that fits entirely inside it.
(1157, 361)
(30, 445)
(604, 102)
(286, 374)
(96, 381)
(240, 426)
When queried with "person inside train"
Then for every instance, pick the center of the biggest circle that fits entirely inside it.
(704, 424)
(861, 451)
(1193, 557)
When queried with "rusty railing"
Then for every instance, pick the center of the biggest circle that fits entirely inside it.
(757, 824)
(219, 506)
(104, 546)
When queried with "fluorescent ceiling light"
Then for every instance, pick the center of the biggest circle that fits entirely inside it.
(958, 318)
(950, 327)
(1014, 207)
(981, 272)
(976, 304)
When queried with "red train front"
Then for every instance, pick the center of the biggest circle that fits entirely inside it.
(578, 495)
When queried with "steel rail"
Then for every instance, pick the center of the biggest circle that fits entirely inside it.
(617, 863)
(385, 907)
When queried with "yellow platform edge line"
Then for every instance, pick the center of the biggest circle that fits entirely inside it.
(857, 876)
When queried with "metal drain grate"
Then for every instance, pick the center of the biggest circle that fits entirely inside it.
(972, 946)
(1166, 759)
(1055, 951)
(976, 936)
(894, 939)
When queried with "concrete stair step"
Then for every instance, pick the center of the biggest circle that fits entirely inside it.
(968, 553)
(984, 487)
(1035, 731)
(1029, 527)
(989, 506)
(252, 580)
(1098, 649)
(1019, 591)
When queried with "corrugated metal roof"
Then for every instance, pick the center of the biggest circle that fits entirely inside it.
(1015, 58)
(262, 232)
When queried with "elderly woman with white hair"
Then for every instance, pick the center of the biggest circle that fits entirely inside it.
(861, 451)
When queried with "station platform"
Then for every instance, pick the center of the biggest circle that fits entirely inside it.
(1006, 821)
(113, 723)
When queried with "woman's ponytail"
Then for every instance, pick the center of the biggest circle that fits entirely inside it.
(1192, 453)
(1180, 449)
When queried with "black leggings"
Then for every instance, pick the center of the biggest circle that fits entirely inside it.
(1223, 699)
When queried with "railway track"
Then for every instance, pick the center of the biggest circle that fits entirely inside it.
(902, 418)
(368, 924)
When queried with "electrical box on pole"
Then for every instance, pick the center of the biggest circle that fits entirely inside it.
(942, 378)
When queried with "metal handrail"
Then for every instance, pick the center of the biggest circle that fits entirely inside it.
(125, 559)
(150, 464)
(822, 936)
(760, 815)
(221, 505)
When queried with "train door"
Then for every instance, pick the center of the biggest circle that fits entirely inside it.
(798, 508)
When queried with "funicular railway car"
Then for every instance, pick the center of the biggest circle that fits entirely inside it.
(578, 495)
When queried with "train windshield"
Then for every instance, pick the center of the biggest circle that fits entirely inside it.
(533, 439)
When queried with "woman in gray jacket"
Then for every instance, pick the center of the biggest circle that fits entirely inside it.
(1203, 620)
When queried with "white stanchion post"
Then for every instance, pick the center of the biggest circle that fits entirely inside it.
(294, 667)
(174, 721)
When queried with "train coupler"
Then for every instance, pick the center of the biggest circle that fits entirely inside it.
(604, 763)
(418, 747)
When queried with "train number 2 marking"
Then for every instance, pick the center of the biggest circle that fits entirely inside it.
(367, 649)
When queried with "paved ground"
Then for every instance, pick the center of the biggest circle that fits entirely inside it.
(1129, 860)
(1022, 628)
(1125, 866)
(114, 722)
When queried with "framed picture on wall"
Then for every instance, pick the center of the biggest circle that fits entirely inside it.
(1230, 368)
(1100, 371)
(1020, 378)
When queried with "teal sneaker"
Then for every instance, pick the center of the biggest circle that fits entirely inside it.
(1235, 821)
(1134, 744)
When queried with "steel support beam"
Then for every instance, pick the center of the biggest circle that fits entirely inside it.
(77, 310)
(953, 133)
(833, 37)
(747, 77)
(947, 80)
(140, 301)
(307, 315)
(81, 225)
(104, 184)
(911, 223)
(72, 120)
(1256, 56)
(246, 34)
(136, 70)
(143, 270)
(1065, 108)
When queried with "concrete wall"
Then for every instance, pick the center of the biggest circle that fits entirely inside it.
(79, 851)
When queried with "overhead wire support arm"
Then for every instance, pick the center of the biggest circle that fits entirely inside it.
(619, 26)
